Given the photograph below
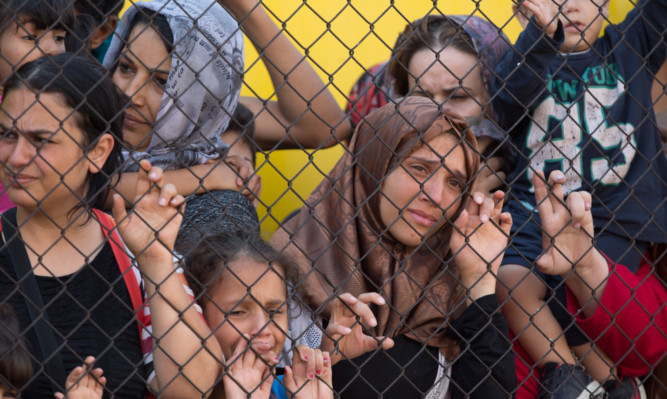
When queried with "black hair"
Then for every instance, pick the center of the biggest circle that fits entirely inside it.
(211, 256)
(15, 361)
(155, 20)
(243, 123)
(87, 89)
(90, 16)
(433, 32)
(77, 39)
(99, 10)
(52, 14)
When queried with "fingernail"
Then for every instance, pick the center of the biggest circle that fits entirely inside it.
(382, 301)
(311, 376)
(577, 225)
(478, 199)
(325, 358)
(275, 359)
(305, 356)
(484, 218)
(152, 175)
(318, 372)
(162, 202)
(374, 322)
(347, 330)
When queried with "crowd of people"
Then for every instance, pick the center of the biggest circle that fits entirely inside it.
(496, 226)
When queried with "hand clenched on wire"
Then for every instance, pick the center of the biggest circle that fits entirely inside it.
(344, 336)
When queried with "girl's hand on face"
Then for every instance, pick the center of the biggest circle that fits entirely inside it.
(151, 227)
(84, 382)
(546, 13)
(247, 373)
(310, 374)
(344, 337)
(247, 181)
(567, 226)
(479, 239)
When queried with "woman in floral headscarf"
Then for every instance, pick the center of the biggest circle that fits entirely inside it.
(394, 217)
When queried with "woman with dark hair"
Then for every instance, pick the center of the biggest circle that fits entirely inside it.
(78, 292)
(30, 29)
(181, 64)
(394, 217)
(450, 59)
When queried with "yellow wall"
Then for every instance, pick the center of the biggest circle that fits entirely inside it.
(361, 34)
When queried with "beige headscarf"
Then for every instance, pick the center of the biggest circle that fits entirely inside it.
(341, 245)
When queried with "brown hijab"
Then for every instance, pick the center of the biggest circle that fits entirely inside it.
(341, 245)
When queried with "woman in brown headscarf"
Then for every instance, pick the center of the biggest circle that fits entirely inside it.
(394, 217)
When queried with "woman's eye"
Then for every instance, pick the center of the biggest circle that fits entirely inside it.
(60, 38)
(279, 311)
(418, 168)
(38, 141)
(124, 68)
(455, 183)
(7, 135)
(161, 82)
(30, 37)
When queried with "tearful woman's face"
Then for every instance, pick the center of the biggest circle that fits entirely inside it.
(451, 76)
(427, 185)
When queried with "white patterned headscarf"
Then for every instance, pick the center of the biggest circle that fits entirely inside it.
(203, 85)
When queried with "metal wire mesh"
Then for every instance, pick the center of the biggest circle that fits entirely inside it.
(399, 275)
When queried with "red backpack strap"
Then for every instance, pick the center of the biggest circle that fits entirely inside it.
(124, 264)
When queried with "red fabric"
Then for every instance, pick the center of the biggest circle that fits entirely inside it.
(630, 323)
(5, 202)
(368, 94)
(527, 377)
(125, 265)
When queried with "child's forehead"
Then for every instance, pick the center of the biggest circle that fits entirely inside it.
(27, 21)
(248, 271)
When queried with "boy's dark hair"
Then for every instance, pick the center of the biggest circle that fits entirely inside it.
(91, 15)
(45, 14)
(15, 362)
(86, 88)
(99, 10)
(206, 262)
(433, 32)
(243, 122)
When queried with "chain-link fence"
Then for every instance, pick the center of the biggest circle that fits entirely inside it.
(480, 214)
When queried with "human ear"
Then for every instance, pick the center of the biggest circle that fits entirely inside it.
(103, 31)
(98, 155)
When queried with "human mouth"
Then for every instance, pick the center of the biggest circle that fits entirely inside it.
(20, 180)
(423, 218)
(574, 27)
(262, 346)
(132, 120)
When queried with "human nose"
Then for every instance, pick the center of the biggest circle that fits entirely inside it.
(135, 90)
(569, 6)
(433, 190)
(260, 324)
(439, 98)
(21, 154)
